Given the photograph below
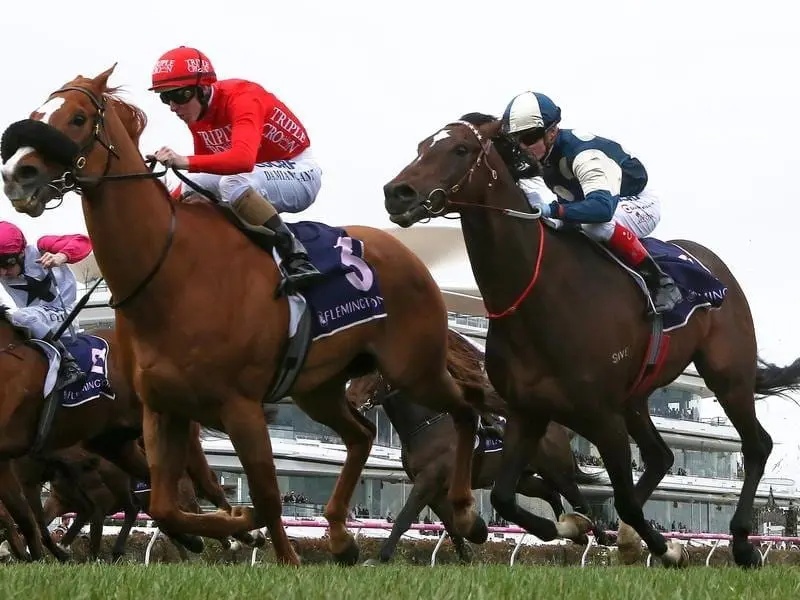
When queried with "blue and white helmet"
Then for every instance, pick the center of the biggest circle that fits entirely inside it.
(530, 110)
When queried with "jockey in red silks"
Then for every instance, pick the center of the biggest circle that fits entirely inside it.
(42, 287)
(250, 150)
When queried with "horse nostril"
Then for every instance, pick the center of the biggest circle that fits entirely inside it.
(402, 192)
(26, 173)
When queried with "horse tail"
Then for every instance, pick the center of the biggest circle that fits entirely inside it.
(772, 380)
(584, 477)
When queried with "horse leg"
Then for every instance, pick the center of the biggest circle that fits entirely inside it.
(131, 512)
(96, 532)
(612, 442)
(657, 458)
(734, 391)
(426, 488)
(166, 439)
(328, 405)
(518, 448)
(443, 393)
(207, 486)
(533, 486)
(15, 541)
(15, 501)
(81, 518)
(244, 422)
(444, 510)
(33, 493)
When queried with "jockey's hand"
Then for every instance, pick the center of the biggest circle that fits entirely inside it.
(49, 260)
(169, 158)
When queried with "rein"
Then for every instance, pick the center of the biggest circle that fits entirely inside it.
(72, 181)
(483, 158)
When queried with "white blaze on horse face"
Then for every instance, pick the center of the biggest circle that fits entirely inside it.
(11, 164)
(440, 135)
(48, 109)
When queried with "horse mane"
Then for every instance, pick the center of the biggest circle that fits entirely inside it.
(133, 118)
(519, 163)
(465, 364)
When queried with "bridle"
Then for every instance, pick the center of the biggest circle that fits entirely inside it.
(73, 181)
(482, 158)
(536, 215)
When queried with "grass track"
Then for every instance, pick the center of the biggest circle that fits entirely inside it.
(201, 582)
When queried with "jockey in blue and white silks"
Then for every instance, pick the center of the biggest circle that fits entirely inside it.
(598, 184)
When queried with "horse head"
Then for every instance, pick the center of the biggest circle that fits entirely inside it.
(454, 168)
(65, 141)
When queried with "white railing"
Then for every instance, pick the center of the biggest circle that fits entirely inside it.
(710, 540)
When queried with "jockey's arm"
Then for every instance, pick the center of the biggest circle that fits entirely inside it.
(75, 247)
(247, 125)
(600, 179)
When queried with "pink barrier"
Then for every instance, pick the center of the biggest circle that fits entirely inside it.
(715, 538)
(385, 525)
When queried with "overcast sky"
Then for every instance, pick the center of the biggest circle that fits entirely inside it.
(704, 93)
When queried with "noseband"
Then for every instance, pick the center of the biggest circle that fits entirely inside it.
(482, 158)
(72, 179)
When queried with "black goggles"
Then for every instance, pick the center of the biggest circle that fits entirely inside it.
(531, 136)
(10, 260)
(178, 96)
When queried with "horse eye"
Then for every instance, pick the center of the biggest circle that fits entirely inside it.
(461, 150)
(78, 120)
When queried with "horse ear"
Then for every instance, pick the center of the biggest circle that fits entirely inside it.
(101, 81)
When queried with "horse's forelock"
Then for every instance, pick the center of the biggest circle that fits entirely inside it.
(519, 163)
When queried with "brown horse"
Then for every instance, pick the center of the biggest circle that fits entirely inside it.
(428, 441)
(569, 337)
(203, 329)
(92, 487)
(107, 427)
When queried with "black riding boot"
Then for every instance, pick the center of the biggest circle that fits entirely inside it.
(69, 372)
(300, 272)
(664, 291)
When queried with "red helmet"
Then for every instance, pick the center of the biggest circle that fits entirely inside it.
(12, 240)
(180, 67)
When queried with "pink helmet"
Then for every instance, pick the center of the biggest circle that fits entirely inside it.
(12, 240)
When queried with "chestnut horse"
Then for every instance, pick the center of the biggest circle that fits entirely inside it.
(203, 330)
(427, 438)
(108, 427)
(561, 312)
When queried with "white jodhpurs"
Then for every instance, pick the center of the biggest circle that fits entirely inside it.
(290, 185)
(40, 320)
(639, 213)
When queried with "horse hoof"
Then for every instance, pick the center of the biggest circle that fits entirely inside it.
(747, 556)
(258, 539)
(574, 526)
(193, 544)
(234, 546)
(464, 520)
(242, 516)
(349, 556)
(676, 555)
(478, 533)
(370, 562)
(629, 544)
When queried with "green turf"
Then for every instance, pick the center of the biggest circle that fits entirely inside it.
(200, 582)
